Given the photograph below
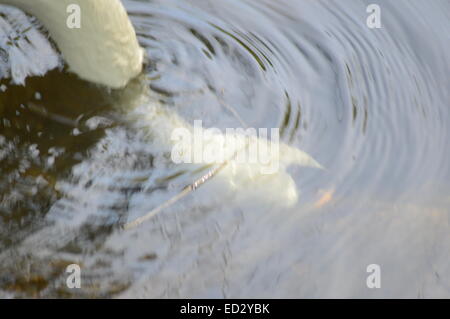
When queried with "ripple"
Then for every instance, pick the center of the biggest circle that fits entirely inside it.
(370, 105)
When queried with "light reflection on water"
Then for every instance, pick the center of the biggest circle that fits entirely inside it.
(370, 105)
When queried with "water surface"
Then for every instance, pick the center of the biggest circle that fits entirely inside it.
(371, 105)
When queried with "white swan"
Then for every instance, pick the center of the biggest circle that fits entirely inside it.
(104, 50)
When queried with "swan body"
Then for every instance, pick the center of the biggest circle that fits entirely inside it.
(267, 180)
(104, 50)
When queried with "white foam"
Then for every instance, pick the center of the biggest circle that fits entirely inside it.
(25, 50)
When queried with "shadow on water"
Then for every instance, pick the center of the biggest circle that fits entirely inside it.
(44, 132)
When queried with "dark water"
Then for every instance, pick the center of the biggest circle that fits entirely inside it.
(371, 105)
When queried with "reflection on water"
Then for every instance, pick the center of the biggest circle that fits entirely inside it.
(371, 105)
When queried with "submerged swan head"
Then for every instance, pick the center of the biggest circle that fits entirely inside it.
(104, 50)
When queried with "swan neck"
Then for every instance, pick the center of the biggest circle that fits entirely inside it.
(103, 48)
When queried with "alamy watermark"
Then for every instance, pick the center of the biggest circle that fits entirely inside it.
(74, 278)
(374, 279)
(374, 19)
(242, 146)
(74, 18)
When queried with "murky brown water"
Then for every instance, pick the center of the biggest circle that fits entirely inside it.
(371, 105)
